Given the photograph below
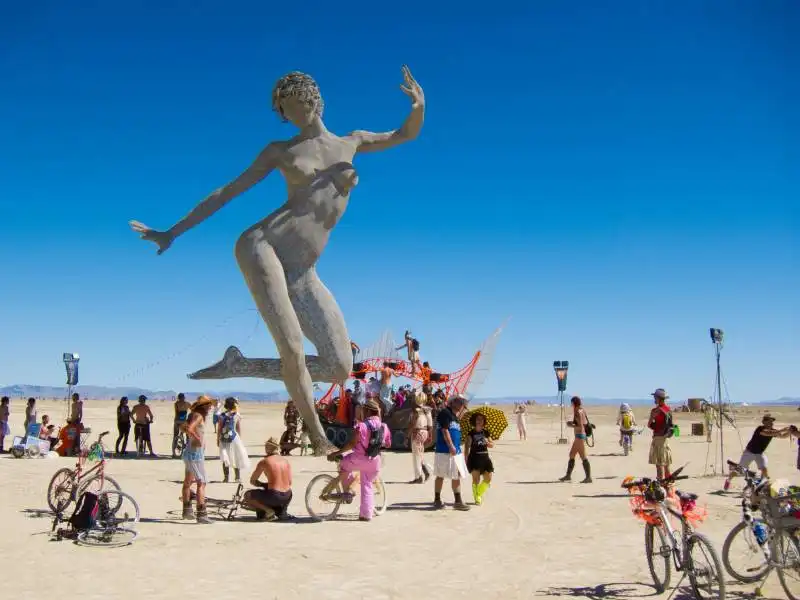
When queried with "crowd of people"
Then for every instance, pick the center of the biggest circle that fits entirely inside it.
(432, 419)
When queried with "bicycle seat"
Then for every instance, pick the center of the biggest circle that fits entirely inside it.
(686, 496)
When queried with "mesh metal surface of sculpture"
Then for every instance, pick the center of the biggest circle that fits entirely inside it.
(278, 255)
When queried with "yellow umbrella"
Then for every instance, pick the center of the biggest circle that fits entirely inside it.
(496, 422)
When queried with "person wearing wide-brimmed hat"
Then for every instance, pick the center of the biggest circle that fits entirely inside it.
(420, 429)
(271, 500)
(194, 459)
(660, 422)
(370, 436)
(754, 451)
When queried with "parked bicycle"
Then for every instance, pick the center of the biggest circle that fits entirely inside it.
(746, 552)
(781, 513)
(325, 495)
(67, 485)
(226, 509)
(656, 502)
(178, 444)
(107, 519)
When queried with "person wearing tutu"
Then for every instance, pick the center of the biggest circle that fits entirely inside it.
(479, 464)
(232, 452)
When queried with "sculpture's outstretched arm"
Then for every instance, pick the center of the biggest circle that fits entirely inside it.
(264, 163)
(367, 141)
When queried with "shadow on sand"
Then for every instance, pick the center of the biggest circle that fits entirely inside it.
(629, 590)
(417, 506)
(601, 496)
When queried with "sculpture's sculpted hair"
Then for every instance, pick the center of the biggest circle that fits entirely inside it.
(301, 86)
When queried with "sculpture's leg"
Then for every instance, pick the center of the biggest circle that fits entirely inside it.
(266, 279)
(235, 364)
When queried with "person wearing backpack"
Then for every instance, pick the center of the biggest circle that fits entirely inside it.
(626, 422)
(370, 437)
(232, 452)
(660, 422)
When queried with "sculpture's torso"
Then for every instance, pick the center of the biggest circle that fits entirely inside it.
(319, 176)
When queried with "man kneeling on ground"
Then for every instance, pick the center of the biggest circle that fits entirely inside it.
(271, 501)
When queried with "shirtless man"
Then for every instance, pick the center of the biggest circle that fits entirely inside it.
(271, 501)
(181, 415)
(76, 410)
(386, 388)
(142, 416)
(412, 348)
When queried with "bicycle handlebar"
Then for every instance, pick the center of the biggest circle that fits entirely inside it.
(102, 435)
(645, 481)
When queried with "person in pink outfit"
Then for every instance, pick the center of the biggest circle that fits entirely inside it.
(370, 437)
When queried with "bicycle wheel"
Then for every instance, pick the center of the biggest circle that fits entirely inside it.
(704, 568)
(787, 553)
(117, 509)
(319, 504)
(659, 556)
(743, 557)
(98, 484)
(379, 492)
(113, 537)
(60, 490)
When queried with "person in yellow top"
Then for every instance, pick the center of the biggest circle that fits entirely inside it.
(626, 422)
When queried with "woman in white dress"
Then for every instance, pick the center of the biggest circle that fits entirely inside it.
(232, 452)
(521, 412)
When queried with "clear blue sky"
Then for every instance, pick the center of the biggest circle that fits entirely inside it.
(616, 176)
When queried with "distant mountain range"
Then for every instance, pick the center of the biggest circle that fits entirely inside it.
(112, 393)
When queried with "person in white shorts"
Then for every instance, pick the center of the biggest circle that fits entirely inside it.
(449, 462)
(762, 436)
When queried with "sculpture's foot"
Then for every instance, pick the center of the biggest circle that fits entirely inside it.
(323, 447)
(233, 364)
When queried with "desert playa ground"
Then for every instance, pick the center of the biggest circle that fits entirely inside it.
(533, 537)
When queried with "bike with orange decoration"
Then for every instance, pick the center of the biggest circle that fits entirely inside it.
(657, 502)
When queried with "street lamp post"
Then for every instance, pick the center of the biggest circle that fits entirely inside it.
(561, 367)
(71, 363)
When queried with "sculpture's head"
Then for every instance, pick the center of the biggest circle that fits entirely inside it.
(296, 98)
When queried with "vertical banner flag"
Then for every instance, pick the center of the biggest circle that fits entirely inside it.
(71, 363)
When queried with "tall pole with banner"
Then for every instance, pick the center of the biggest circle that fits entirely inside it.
(71, 363)
(561, 367)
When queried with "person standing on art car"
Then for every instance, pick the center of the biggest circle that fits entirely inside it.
(412, 350)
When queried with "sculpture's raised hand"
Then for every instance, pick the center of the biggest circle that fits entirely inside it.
(412, 89)
(162, 239)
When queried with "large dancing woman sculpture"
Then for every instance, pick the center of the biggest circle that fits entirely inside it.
(277, 256)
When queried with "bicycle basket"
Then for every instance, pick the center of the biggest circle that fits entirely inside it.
(95, 453)
(644, 510)
(654, 492)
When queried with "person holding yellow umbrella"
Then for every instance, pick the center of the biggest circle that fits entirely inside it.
(479, 464)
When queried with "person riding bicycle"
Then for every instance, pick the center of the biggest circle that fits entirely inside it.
(370, 437)
(181, 417)
(626, 422)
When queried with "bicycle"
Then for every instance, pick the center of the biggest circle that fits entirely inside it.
(753, 531)
(226, 509)
(114, 525)
(329, 490)
(67, 485)
(782, 517)
(654, 502)
(179, 443)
